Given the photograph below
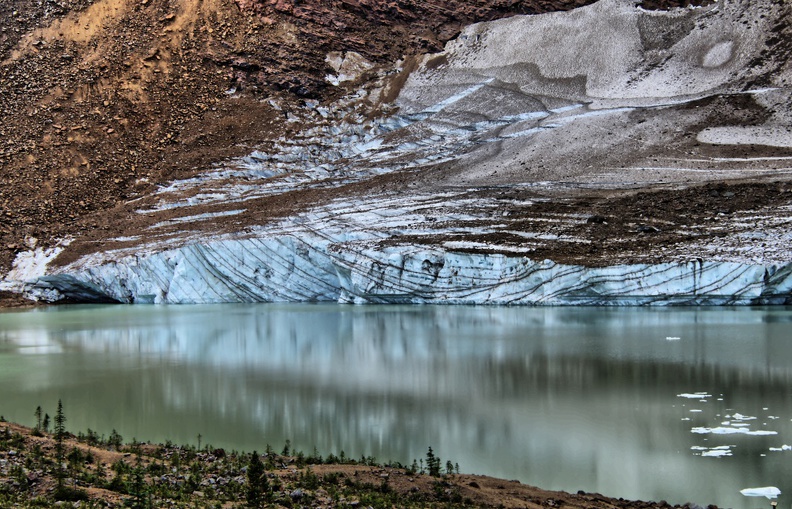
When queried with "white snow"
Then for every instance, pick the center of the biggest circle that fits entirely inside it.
(778, 136)
(29, 265)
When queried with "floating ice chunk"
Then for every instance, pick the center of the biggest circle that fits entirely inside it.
(714, 452)
(694, 395)
(767, 491)
(673, 338)
(741, 417)
(695, 410)
(722, 430)
(782, 448)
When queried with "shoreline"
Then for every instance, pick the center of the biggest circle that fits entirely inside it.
(109, 473)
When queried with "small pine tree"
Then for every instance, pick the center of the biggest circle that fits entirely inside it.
(449, 468)
(258, 485)
(138, 488)
(432, 463)
(286, 448)
(45, 424)
(60, 434)
(37, 429)
(115, 440)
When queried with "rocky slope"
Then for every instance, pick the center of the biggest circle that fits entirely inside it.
(611, 154)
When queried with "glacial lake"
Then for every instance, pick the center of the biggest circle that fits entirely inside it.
(676, 404)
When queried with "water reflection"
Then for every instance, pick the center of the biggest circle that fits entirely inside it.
(565, 398)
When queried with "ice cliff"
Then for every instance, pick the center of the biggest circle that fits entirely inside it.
(306, 268)
(602, 99)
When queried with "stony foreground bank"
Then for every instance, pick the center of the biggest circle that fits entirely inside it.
(103, 472)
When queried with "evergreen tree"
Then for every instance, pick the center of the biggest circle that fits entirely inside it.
(432, 463)
(37, 429)
(60, 434)
(258, 485)
(138, 489)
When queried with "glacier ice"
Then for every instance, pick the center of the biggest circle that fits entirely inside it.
(310, 266)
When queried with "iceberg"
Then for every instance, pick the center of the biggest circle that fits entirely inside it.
(770, 492)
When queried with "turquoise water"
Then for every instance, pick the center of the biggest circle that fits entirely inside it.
(679, 404)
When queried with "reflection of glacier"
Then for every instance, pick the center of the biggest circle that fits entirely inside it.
(319, 337)
(565, 398)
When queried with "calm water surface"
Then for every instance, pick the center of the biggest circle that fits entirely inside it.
(676, 404)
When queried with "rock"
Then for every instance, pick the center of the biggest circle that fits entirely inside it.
(643, 228)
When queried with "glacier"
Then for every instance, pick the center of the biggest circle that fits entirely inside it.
(310, 268)
(605, 98)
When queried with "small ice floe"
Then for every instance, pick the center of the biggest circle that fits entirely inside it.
(782, 448)
(673, 338)
(694, 395)
(695, 410)
(713, 452)
(740, 417)
(767, 491)
(722, 430)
